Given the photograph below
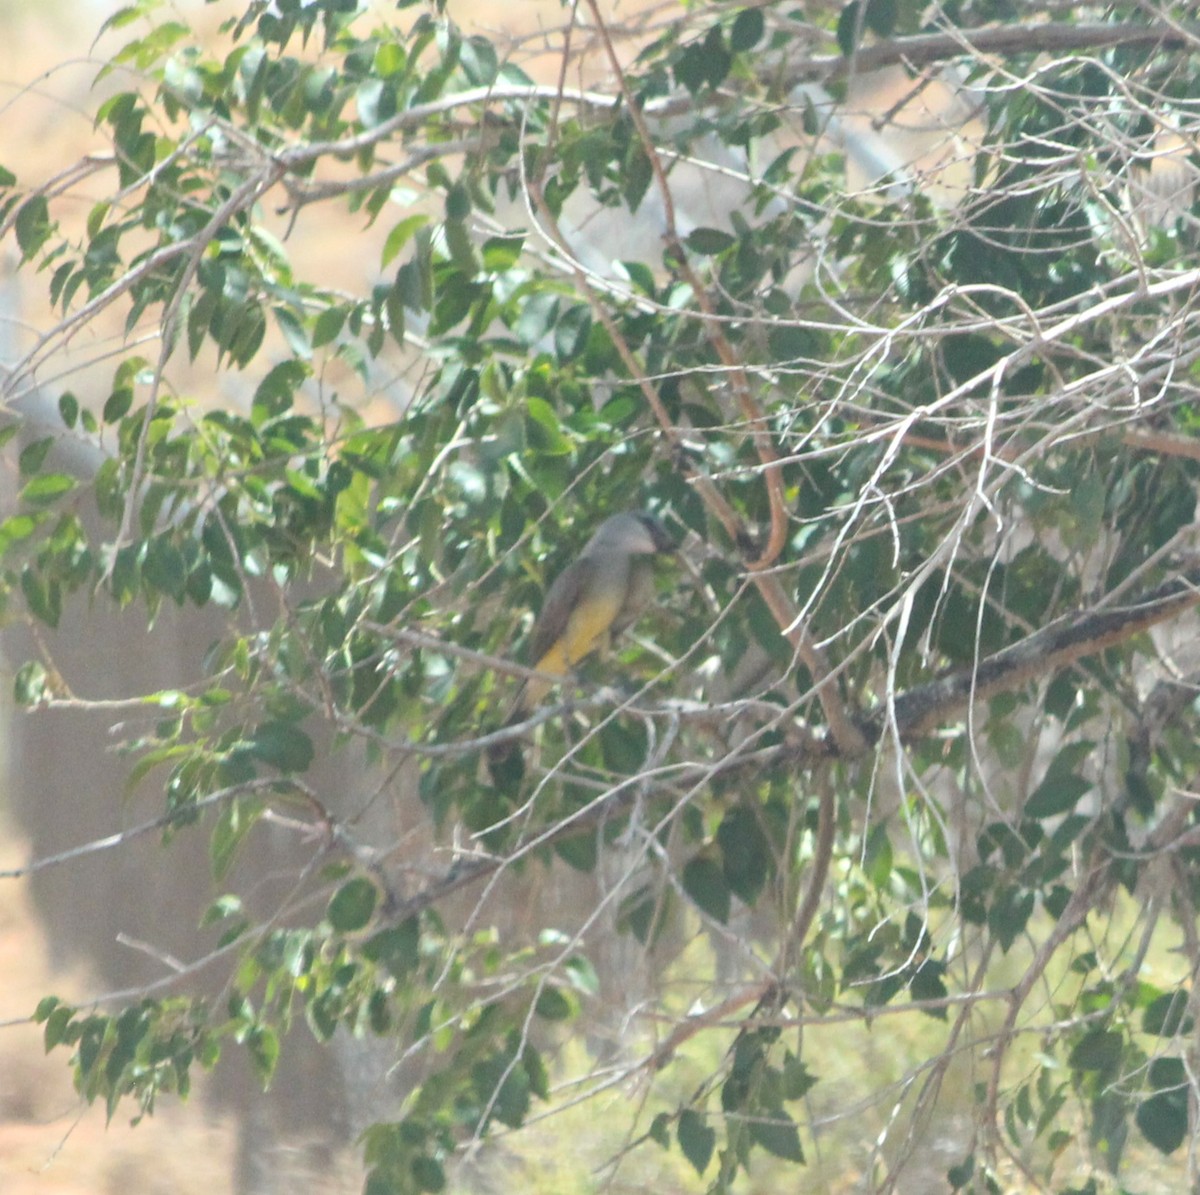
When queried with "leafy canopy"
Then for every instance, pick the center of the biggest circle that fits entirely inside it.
(894, 744)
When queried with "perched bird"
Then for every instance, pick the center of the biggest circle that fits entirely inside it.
(590, 602)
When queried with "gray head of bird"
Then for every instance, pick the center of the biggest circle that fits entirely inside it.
(635, 532)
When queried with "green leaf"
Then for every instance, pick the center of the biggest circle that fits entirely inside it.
(400, 235)
(42, 596)
(1168, 1015)
(46, 1005)
(696, 1139)
(582, 975)
(275, 393)
(47, 489)
(1099, 1050)
(881, 16)
(660, 1130)
(328, 326)
(398, 948)
(33, 456)
(68, 408)
(928, 984)
(960, 1175)
(641, 276)
(545, 431)
(503, 252)
(1056, 794)
(1163, 1118)
(237, 818)
(778, 1135)
(746, 856)
(849, 28)
(57, 1024)
(1009, 913)
(353, 905)
(553, 1005)
(29, 686)
(458, 203)
(798, 1081)
(222, 909)
(704, 882)
(282, 745)
(33, 227)
(428, 1174)
(708, 241)
(117, 405)
(263, 1045)
(748, 28)
(571, 332)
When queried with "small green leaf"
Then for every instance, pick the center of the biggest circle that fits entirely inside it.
(1099, 1050)
(881, 16)
(708, 241)
(704, 882)
(641, 276)
(928, 984)
(458, 203)
(117, 405)
(1168, 1015)
(238, 817)
(849, 28)
(222, 909)
(33, 225)
(778, 1135)
(44, 490)
(400, 236)
(696, 1139)
(960, 1175)
(798, 1081)
(553, 1005)
(57, 1023)
(352, 905)
(1009, 913)
(1056, 794)
(263, 1044)
(328, 326)
(545, 433)
(1163, 1118)
(282, 745)
(583, 975)
(747, 30)
(502, 253)
(427, 1174)
(397, 948)
(29, 686)
(68, 408)
(46, 1005)
(660, 1130)
(746, 857)
(33, 456)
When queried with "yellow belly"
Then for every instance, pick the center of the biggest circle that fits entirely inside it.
(586, 630)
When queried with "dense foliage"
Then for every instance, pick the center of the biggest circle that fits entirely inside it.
(895, 754)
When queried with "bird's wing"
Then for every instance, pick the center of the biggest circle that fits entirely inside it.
(561, 599)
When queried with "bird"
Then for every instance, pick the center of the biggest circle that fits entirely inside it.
(597, 596)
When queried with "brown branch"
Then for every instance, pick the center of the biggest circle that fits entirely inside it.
(782, 609)
(922, 50)
(916, 713)
(1064, 641)
(1163, 444)
(1024, 38)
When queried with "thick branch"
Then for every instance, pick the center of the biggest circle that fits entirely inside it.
(917, 712)
(1064, 641)
(922, 50)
